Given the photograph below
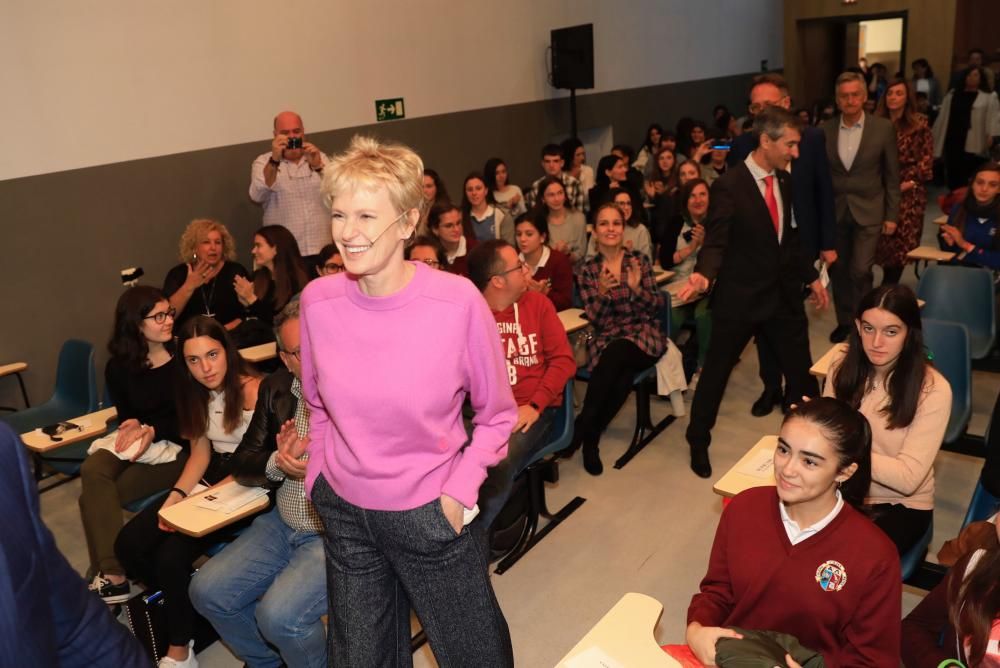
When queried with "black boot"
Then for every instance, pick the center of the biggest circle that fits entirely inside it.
(768, 399)
(592, 458)
(700, 464)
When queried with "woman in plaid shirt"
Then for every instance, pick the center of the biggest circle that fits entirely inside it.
(621, 299)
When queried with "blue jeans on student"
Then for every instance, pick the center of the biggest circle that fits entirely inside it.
(380, 563)
(265, 594)
(521, 449)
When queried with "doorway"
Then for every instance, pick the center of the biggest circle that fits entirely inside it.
(832, 45)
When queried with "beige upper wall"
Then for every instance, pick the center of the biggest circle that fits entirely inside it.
(930, 30)
(97, 83)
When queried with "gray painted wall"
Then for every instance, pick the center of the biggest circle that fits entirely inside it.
(66, 235)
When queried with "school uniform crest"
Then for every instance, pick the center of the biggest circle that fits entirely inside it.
(831, 576)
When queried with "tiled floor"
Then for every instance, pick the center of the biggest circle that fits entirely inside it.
(646, 528)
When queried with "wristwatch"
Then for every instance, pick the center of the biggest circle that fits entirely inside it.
(274, 162)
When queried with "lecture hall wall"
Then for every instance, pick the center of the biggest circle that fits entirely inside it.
(123, 120)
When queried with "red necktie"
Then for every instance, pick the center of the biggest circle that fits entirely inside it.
(772, 203)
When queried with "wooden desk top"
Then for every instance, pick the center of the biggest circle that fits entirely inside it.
(94, 424)
(661, 276)
(930, 254)
(740, 477)
(941, 220)
(674, 289)
(822, 365)
(261, 353)
(623, 637)
(573, 320)
(14, 367)
(185, 516)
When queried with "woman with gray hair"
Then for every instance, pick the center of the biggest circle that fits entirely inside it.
(389, 470)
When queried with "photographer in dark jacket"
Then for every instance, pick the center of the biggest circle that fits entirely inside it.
(274, 574)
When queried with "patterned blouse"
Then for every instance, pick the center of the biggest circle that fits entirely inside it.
(621, 313)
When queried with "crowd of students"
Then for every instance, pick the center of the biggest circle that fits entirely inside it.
(392, 469)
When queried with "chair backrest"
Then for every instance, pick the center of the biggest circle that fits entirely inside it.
(562, 428)
(984, 503)
(76, 377)
(964, 295)
(949, 345)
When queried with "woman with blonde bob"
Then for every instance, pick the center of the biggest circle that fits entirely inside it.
(203, 283)
(389, 470)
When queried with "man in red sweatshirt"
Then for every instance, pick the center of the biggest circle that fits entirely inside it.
(539, 362)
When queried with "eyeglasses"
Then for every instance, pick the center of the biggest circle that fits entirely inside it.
(761, 106)
(434, 264)
(161, 317)
(333, 267)
(518, 267)
(297, 354)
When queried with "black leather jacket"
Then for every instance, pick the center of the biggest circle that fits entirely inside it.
(275, 405)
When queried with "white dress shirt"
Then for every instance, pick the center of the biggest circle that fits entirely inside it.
(848, 141)
(797, 535)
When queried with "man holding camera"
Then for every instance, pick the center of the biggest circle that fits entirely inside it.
(286, 182)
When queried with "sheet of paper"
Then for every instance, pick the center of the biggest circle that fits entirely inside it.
(761, 465)
(230, 498)
(594, 657)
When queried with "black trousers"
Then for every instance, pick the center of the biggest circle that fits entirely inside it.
(163, 559)
(609, 387)
(904, 526)
(787, 335)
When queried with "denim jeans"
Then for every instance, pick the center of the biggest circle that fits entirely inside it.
(379, 563)
(265, 594)
(521, 448)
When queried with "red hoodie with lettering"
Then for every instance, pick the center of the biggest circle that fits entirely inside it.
(539, 358)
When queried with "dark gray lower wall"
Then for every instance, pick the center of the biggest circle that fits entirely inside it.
(66, 235)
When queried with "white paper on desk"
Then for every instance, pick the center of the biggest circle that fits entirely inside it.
(761, 465)
(230, 498)
(594, 657)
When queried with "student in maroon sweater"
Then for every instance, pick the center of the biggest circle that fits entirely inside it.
(539, 362)
(445, 222)
(549, 271)
(800, 558)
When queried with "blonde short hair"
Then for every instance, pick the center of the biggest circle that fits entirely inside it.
(197, 230)
(370, 164)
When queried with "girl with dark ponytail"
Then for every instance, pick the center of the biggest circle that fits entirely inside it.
(783, 555)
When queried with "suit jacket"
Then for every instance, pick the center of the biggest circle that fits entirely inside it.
(812, 188)
(275, 406)
(869, 190)
(755, 276)
(47, 616)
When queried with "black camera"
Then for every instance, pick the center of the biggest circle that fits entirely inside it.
(293, 143)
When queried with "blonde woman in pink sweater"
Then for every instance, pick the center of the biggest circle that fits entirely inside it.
(390, 350)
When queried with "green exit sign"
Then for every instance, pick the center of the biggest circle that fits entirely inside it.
(390, 110)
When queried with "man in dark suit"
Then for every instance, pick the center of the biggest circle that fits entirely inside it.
(864, 164)
(752, 254)
(812, 211)
(47, 616)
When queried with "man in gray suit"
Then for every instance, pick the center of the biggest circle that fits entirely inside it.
(864, 164)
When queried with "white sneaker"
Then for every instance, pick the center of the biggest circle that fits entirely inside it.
(190, 662)
(677, 403)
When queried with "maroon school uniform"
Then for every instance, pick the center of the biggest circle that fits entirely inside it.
(838, 591)
(559, 269)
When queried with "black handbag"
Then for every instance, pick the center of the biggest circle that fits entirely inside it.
(148, 622)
